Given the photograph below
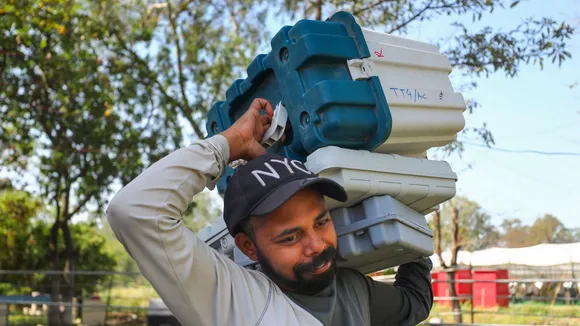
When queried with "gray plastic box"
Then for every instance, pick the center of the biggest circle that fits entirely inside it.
(378, 233)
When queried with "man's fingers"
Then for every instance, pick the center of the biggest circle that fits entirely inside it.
(265, 119)
(262, 104)
(262, 130)
(269, 109)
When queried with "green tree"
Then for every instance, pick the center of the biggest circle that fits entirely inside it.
(576, 234)
(545, 229)
(71, 109)
(190, 51)
(476, 53)
(17, 208)
(461, 224)
(26, 240)
(451, 267)
(124, 261)
(201, 212)
(91, 254)
(514, 233)
(549, 229)
(5, 184)
(475, 230)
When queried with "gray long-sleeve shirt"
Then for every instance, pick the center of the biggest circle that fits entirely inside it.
(203, 288)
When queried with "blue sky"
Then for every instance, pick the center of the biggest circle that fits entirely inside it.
(534, 111)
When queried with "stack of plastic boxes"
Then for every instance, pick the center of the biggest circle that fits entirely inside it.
(362, 107)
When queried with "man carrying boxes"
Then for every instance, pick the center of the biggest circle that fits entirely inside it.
(275, 210)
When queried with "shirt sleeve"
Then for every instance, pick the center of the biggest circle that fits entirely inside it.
(199, 285)
(406, 302)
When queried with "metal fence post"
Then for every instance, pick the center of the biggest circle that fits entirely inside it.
(471, 296)
(108, 300)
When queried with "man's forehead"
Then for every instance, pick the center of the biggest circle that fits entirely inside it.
(306, 205)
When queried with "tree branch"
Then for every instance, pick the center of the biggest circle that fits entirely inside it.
(156, 81)
(233, 18)
(369, 7)
(438, 249)
(415, 16)
(81, 204)
(318, 7)
(456, 241)
(67, 184)
(187, 112)
(150, 115)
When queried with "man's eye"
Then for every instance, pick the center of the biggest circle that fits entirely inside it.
(323, 222)
(288, 239)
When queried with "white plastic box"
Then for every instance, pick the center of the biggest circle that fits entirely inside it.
(426, 111)
(416, 182)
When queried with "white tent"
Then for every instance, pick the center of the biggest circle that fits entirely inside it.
(540, 255)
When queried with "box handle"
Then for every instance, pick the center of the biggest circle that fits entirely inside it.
(277, 128)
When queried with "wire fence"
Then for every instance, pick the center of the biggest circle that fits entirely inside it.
(506, 294)
(115, 298)
(28, 297)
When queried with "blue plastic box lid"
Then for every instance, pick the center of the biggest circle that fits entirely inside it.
(307, 72)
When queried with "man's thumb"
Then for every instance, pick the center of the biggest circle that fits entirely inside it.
(257, 150)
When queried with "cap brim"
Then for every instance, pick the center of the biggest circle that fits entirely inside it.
(278, 197)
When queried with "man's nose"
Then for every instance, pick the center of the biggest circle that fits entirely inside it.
(314, 245)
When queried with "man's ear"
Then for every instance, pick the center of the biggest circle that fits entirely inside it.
(246, 245)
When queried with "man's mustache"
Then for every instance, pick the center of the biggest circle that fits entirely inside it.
(328, 254)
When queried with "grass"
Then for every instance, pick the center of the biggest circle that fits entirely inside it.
(521, 313)
(130, 296)
(136, 299)
(25, 320)
(527, 313)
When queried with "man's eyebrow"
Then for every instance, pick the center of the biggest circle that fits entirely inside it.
(289, 231)
(322, 215)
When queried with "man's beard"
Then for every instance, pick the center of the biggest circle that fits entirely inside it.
(301, 284)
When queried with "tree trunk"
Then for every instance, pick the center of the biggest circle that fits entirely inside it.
(455, 304)
(68, 292)
(455, 247)
(53, 309)
(318, 4)
(451, 267)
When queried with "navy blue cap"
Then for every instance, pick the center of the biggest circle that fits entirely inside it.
(262, 185)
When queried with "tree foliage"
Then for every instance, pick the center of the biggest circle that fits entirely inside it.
(65, 106)
(72, 112)
(189, 52)
(545, 229)
(26, 238)
(515, 233)
(477, 232)
(17, 209)
(201, 212)
(475, 228)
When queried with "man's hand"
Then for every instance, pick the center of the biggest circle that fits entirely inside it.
(245, 134)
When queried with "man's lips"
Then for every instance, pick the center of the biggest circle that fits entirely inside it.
(322, 268)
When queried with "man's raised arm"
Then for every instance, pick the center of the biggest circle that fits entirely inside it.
(198, 285)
